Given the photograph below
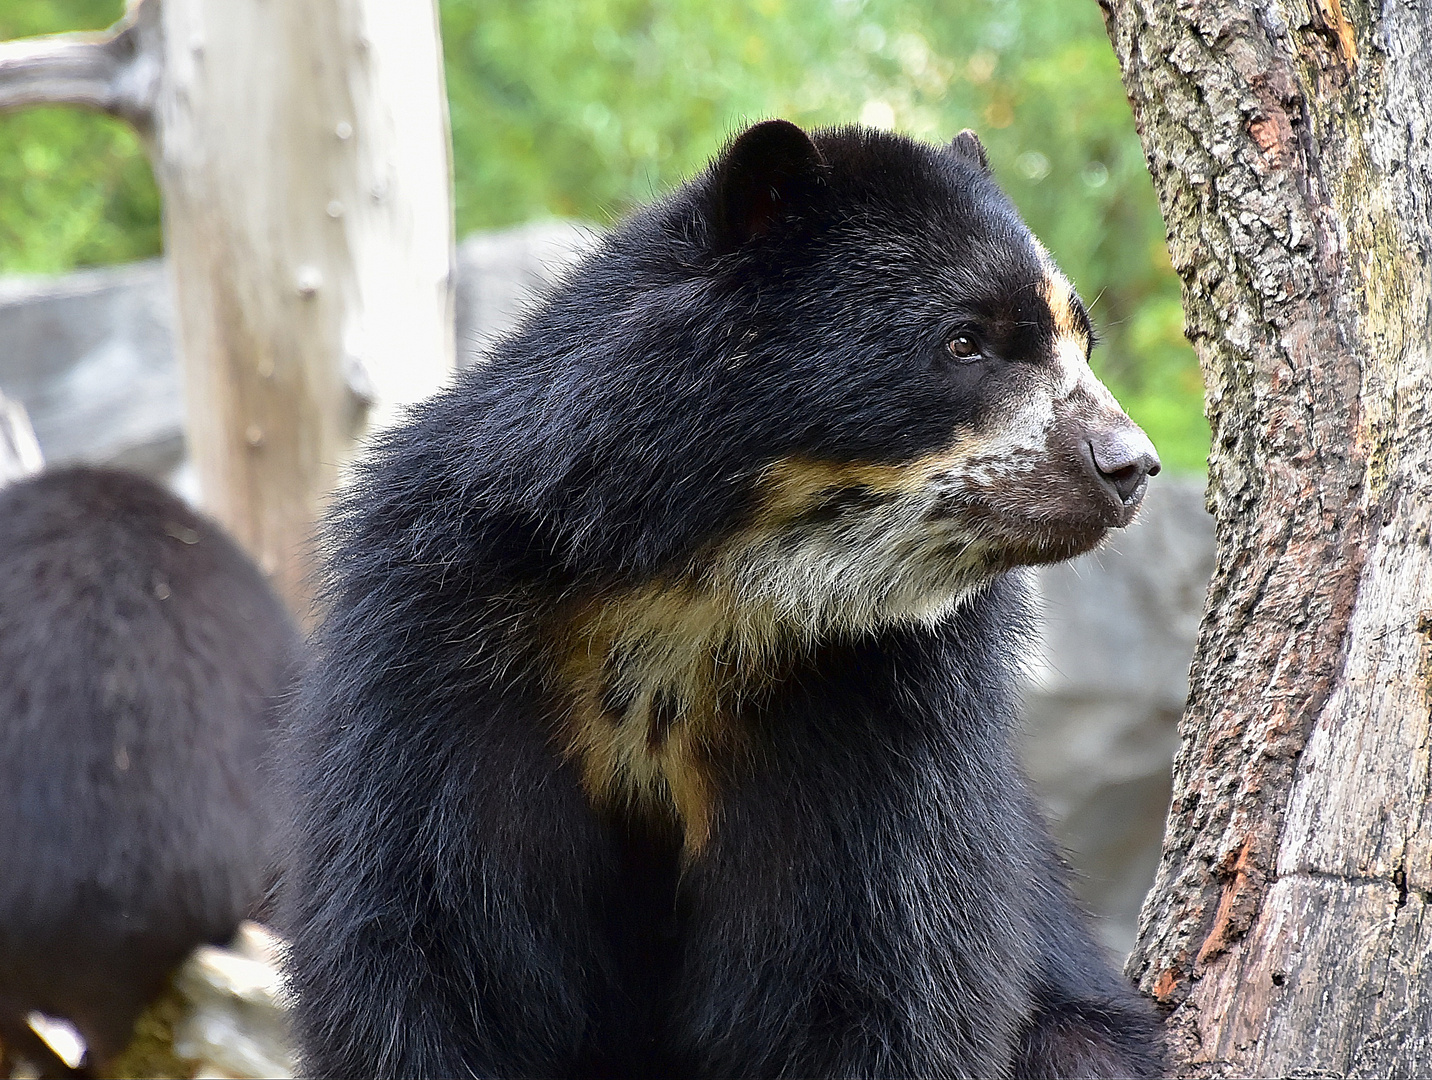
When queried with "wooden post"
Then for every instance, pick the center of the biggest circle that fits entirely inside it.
(1289, 931)
(302, 154)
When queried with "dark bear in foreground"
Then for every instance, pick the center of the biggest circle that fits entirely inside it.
(661, 723)
(141, 653)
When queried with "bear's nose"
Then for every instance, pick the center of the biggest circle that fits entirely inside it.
(1124, 459)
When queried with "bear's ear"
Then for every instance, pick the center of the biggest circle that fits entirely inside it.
(967, 146)
(769, 171)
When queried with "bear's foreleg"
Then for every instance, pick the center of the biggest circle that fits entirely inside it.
(447, 903)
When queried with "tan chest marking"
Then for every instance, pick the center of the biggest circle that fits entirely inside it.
(654, 682)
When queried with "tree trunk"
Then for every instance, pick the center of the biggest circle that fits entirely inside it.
(301, 150)
(1288, 928)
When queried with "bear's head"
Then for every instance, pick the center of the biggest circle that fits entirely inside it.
(833, 380)
(914, 369)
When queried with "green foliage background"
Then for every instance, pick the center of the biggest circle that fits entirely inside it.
(75, 188)
(585, 108)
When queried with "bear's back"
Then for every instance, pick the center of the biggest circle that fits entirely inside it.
(141, 652)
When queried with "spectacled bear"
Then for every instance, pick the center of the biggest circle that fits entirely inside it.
(141, 657)
(660, 723)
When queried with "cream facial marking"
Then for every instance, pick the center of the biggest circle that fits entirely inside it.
(848, 549)
(1059, 295)
(1072, 346)
(1071, 341)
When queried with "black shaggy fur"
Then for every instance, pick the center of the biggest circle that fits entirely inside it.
(140, 655)
(876, 896)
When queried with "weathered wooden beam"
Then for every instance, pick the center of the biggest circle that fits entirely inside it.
(302, 154)
(19, 451)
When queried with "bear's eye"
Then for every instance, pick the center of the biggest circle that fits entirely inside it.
(964, 346)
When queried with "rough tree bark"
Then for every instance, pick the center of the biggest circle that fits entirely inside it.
(1288, 930)
(301, 150)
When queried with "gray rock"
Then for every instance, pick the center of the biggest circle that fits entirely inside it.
(235, 1022)
(91, 357)
(1106, 691)
(500, 275)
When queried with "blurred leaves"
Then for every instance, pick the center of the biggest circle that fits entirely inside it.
(586, 108)
(75, 190)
